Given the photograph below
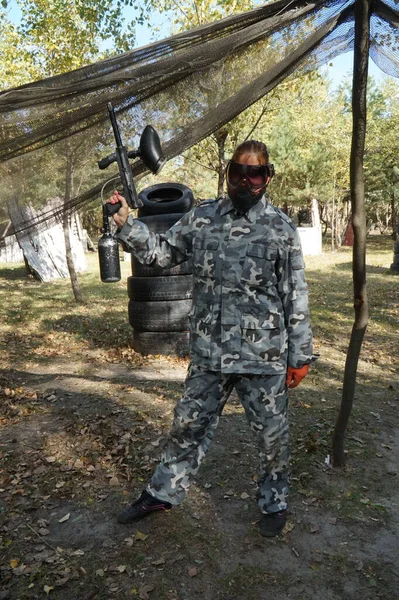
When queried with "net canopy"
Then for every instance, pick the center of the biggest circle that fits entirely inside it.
(54, 131)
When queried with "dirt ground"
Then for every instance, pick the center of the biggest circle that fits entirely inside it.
(80, 436)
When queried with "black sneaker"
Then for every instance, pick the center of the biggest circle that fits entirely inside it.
(145, 505)
(273, 523)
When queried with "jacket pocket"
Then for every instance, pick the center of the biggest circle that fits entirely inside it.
(261, 338)
(259, 266)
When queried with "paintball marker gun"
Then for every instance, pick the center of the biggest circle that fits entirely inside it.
(150, 152)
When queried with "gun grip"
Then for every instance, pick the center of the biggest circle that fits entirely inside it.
(111, 209)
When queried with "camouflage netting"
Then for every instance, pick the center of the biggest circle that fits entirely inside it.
(54, 131)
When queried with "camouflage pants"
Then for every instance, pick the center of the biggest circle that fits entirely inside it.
(264, 398)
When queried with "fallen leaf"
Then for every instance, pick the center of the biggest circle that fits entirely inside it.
(43, 531)
(47, 589)
(42, 522)
(192, 571)
(64, 518)
(78, 518)
(129, 541)
(244, 496)
(114, 481)
(288, 527)
(141, 536)
(157, 563)
(14, 563)
(356, 439)
(145, 590)
(121, 568)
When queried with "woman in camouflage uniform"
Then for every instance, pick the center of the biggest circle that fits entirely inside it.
(249, 327)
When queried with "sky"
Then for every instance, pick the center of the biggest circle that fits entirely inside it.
(342, 66)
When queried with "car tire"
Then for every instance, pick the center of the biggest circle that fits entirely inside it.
(163, 198)
(169, 343)
(162, 315)
(171, 287)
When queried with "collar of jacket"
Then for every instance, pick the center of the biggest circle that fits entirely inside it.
(226, 206)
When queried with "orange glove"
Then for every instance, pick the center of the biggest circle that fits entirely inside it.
(295, 376)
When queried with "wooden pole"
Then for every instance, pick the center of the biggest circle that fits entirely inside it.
(359, 114)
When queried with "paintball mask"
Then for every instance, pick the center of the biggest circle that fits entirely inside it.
(247, 183)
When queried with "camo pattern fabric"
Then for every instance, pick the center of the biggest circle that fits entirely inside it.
(264, 398)
(250, 300)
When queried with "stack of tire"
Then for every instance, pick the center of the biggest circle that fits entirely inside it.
(160, 299)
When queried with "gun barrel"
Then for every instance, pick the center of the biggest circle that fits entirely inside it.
(114, 124)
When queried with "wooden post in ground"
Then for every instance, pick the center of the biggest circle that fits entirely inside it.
(359, 114)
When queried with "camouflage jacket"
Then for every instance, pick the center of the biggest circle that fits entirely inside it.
(250, 301)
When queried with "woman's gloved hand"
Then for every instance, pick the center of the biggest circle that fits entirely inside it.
(295, 376)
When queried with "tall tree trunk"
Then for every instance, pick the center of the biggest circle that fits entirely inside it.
(220, 137)
(395, 225)
(359, 112)
(66, 223)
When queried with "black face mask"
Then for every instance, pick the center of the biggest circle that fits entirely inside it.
(243, 198)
